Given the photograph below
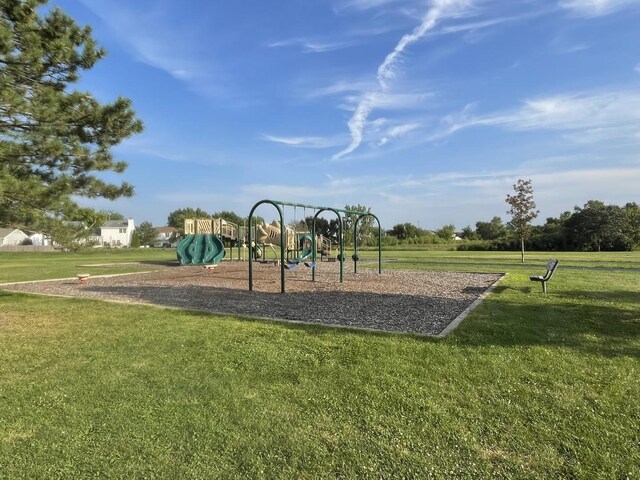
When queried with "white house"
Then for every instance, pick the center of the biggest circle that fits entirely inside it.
(163, 235)
(12, 236)
(117, 233)
(40, 240)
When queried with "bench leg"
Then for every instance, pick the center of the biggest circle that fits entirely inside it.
(544, 287)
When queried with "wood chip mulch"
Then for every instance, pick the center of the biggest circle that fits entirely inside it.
(408, 301)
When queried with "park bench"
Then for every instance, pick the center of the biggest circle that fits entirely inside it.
(552, 265)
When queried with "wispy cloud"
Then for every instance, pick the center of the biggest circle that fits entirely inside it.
(142, 35)
(357, 122)
(563, 46)
(577, 47)
(387, 70)
(440, 9)
(390, 101)
(312, 46)
(596, 8)
(616, 136)
(302, 193)
(176, 151)
(154, 37)
(576, 111)
(191, 198)
(615, 111)
(306, 142)
(455, 196)
(397, 131)
(400, 130)
(341, 87)
(430, 201)
(477, 25)
(365, 4)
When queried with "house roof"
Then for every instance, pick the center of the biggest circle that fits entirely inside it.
(115, 224)
(73, 223)
(5, 232)
(165, 229)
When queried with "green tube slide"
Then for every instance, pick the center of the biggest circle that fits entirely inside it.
(200, 249)
(195, 249)
(305, 254)
(182, 250)
(214, 250)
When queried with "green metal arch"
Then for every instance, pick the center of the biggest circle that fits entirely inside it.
(340, 240)
(355, 241)
(278, 204)
(282, 246)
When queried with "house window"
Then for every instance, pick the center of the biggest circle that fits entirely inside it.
(123, 230)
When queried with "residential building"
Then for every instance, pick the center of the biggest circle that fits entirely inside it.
(40, 239)
(117, 233)
(12, 236)
(164, 236)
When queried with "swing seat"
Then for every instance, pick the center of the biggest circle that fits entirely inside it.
(310, 264)
(290, 266)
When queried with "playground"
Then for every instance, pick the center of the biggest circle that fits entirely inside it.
(317, 292)
(408, 301)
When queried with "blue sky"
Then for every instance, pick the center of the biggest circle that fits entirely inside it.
(426, 111)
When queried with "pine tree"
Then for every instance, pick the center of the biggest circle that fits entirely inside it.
(522, 211)
(54, 140)
(135, 239)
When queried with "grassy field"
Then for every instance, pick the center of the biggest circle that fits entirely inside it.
(529, 386)
(19, 267)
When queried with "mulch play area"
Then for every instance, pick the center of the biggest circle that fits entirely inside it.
(409, 301)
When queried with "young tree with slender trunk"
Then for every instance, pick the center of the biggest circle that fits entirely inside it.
(522, 210)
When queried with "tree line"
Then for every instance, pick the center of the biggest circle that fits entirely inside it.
(594, 227)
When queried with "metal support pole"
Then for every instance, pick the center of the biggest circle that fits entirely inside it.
(355, 241)
(355, 245)
(283, 257)
(340, 239)
(282, 246)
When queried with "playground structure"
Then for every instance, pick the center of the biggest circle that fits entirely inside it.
(300, 245)
(279, 236)
(203, 241)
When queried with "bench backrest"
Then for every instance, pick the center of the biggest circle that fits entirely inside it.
(551, 268)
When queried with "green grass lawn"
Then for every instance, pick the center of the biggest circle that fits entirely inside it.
(529, 386)
(19, 267)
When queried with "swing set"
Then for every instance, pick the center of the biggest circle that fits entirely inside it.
(284, 242)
